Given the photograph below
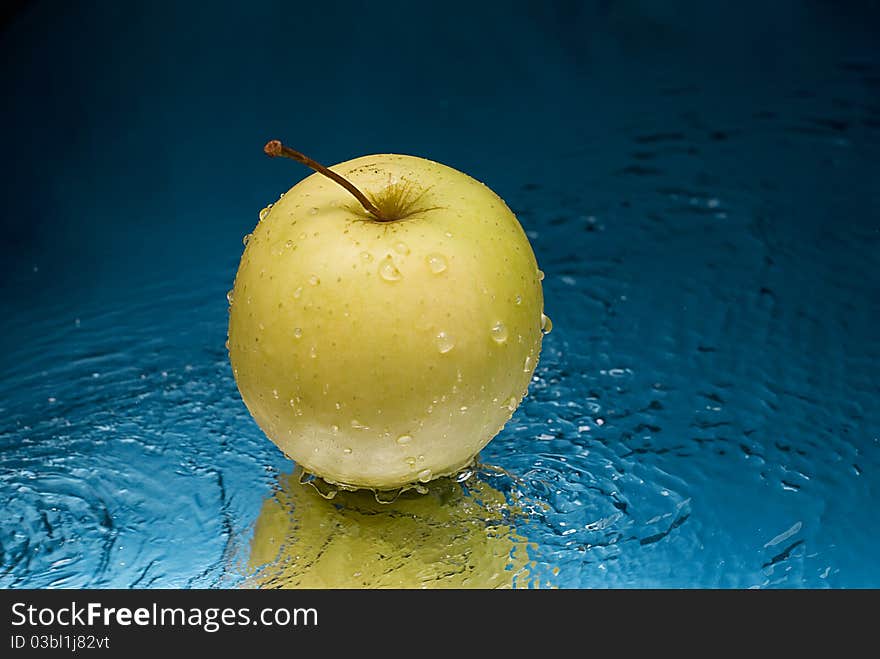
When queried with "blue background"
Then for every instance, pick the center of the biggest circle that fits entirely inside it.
(699, 182)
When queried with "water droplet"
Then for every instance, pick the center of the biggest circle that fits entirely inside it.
(463, 409)
(313, 211)
(292, 402)
(261, 326)
(347, 451)
(425, 475)
(499, 332)
(334, 429)
(297, 291)
(357, 425)
(227, 344)
(313, 352)
(444, 342)
(527, 366)
(388, 271)
(314, 280)
(366, 256)
(512, 403)
(297, 332)
(436, 262)
(411, 462)
(246, 239)
(275, 394)
(288, 244)
(265, 212)
(403, 440)
(229, 296)
(387, 496)
(449, 234)
(401, 248)
(546, 324)
(517, 300)
(540, 275)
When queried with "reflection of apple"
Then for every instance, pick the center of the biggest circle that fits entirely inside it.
(380, 348)
(451, 537)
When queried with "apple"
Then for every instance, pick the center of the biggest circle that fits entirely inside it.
(453, 536)
(385, 321)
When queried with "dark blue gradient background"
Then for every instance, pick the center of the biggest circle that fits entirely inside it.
(699, 182)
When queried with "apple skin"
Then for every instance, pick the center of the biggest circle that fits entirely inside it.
(380, 354)
(453, 536)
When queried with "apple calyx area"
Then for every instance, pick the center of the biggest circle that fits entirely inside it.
(397, 201)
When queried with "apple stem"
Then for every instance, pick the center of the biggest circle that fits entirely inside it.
(275, 148)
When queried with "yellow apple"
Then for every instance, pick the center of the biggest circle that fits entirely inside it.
(379, 349)
(451, 537)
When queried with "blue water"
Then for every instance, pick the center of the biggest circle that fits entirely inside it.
(699, 183)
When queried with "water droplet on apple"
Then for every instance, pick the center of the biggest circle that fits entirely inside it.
(517, 300)
(403, 440)
(436, 262)
(401, 248)
(546, 324)
(313, 352)
(357, 425)
(425, 475)
(314, 280)
(449, 234)
(288, 244)
(388, 271)
(297, 291)
(540, 275)
(227, 344)
(297, 332)
(444, 342)
(246, 239)
(313, 211)
(334, 429)
(463, 409)
(275, 394)
(511, 404)
(265, 212)
(499, 332)
(411, 462)
(229, 296)
(386, 496)
(347, 451)
(527, 366)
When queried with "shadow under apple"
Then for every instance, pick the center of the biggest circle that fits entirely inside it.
(456, 535)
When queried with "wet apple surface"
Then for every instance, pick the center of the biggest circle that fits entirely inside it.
(383, 353)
